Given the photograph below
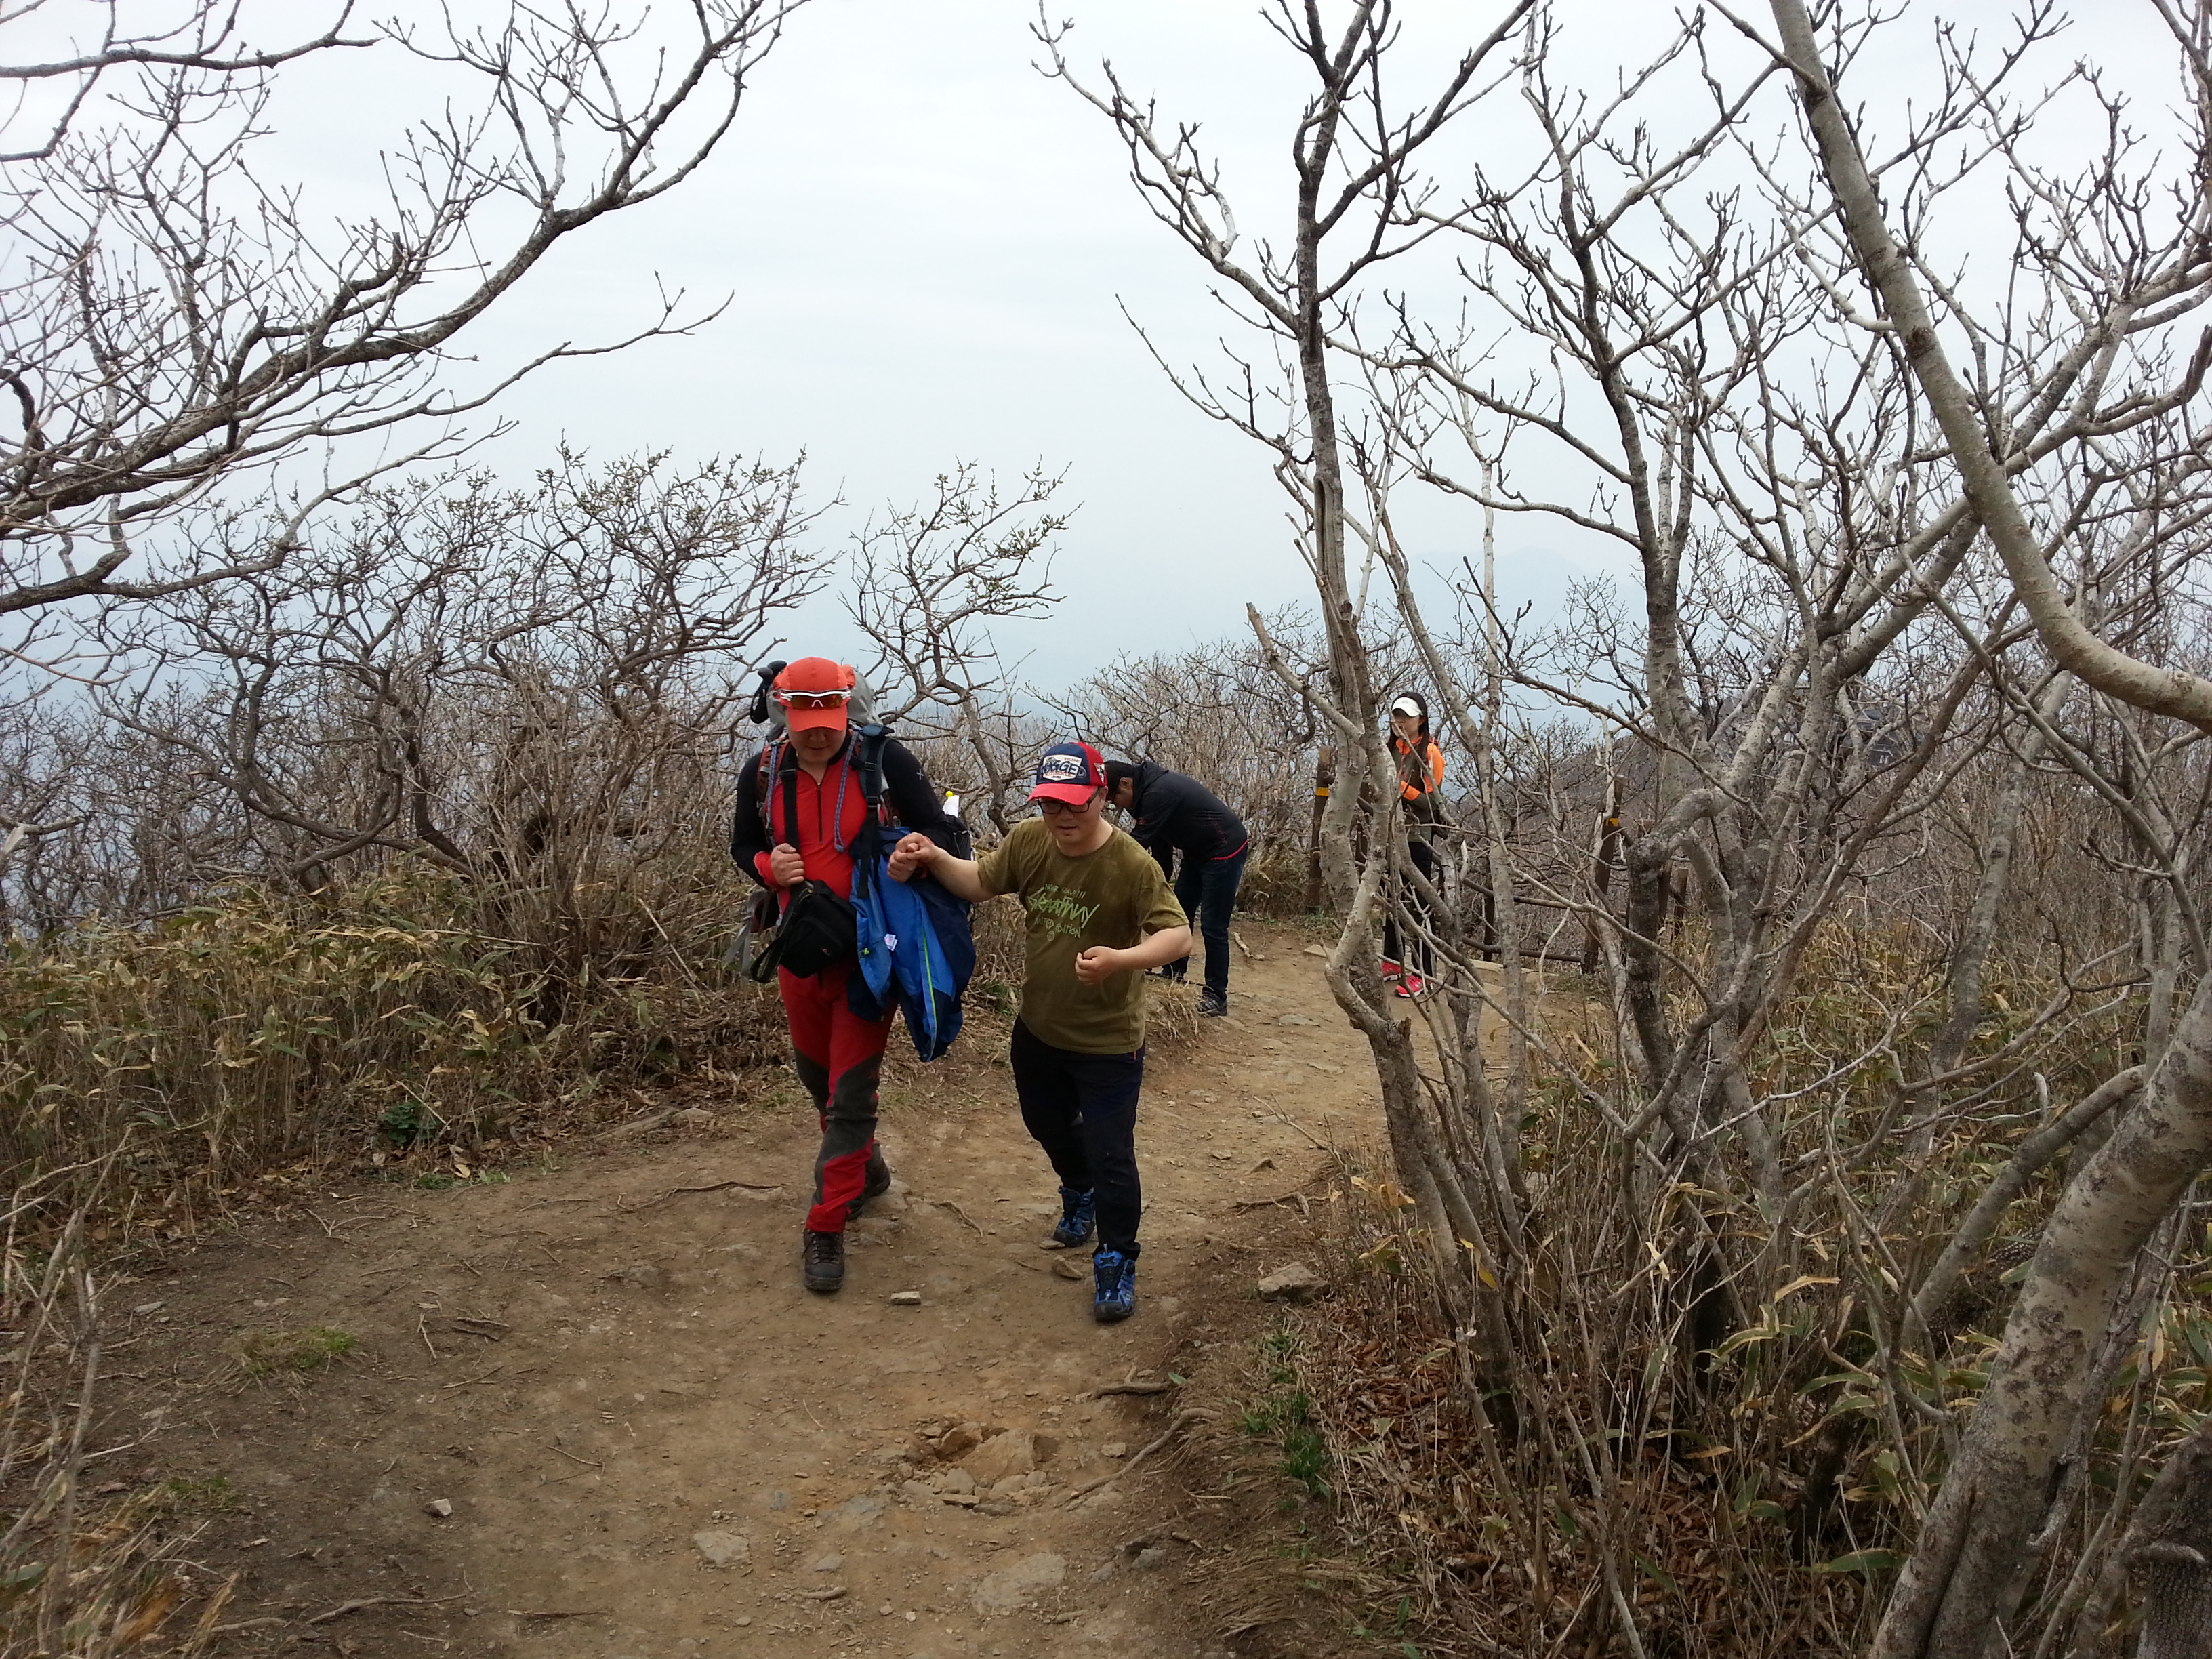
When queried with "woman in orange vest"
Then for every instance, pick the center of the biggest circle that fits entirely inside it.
(1421, 778)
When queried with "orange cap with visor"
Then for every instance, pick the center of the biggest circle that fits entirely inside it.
(814, 693)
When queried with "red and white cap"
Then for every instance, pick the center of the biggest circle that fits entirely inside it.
(1070, 772)
(814, 692)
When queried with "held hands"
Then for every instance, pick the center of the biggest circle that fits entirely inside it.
(784, 868)
(1097, 964)
(914, 852)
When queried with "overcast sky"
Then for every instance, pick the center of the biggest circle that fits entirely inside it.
(928, 248)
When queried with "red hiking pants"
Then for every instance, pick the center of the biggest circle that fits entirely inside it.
(838, 1056)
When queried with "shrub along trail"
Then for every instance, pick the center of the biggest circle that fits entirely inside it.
(654, 1442)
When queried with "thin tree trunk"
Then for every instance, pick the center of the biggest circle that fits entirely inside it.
(1503, 914)
(2169, 1550)
(1957, 1594)
(1602, 859)
(1970, 958)
(1324, 777)
(1646, 870)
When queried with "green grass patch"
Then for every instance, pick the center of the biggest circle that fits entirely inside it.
(266, 1352)
(194, 1494)
(1283, 1415)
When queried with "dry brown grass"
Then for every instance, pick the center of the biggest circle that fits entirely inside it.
(84, 1574)
(1435, 1495)
(1737, 1491)
(195, 1056)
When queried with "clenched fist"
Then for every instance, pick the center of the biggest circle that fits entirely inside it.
(1094, 964)
(912, 852)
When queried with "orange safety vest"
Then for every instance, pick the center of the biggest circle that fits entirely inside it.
(1429, 776)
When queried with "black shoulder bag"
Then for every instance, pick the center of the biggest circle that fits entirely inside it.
(819, 926)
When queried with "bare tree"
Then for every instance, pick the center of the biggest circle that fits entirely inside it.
(531, 690)
(927, 582)
(205, 39)
(2108, 370)
(1824, 674)
(176, 331)
(1353, 156)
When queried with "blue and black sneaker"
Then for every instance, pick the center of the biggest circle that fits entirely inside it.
(1116, 1295)
(1079, 1213)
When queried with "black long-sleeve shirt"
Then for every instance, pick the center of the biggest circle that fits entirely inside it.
(1174, 813)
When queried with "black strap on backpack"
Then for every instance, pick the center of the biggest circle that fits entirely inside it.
(791, 806)
(819, 926)
(869, 742)
(867, 764)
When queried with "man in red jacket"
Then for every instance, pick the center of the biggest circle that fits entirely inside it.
(837, 1054)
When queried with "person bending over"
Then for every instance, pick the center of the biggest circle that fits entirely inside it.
(837, 1054)
(1100, 914)
(1177, 814)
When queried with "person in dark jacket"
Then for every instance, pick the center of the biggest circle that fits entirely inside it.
(837, 1053)
(1174, 819)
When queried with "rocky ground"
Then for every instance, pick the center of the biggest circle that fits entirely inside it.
(590, 1410)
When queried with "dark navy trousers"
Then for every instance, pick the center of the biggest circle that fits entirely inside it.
(1082, 1110)
(1207, 890)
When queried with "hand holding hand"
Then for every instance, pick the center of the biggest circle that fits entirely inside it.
(784, 868)
(1094, 965)
(914, 852)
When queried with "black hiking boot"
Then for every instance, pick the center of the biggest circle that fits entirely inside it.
(1213, 1003)
(823, 1262)
(874, 1183)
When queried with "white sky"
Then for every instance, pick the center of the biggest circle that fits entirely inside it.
(927, 246)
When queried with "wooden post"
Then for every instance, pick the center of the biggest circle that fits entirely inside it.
(1608, 849)
(1324, 777)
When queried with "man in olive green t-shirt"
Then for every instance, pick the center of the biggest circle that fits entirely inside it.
(1100, 914)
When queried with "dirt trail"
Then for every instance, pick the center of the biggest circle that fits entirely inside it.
(611, 1378)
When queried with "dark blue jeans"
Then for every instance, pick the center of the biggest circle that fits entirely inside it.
(1207, 890)
(1082, 1110)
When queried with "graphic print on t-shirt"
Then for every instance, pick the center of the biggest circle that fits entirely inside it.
(1112, 895)
(1055, 911)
